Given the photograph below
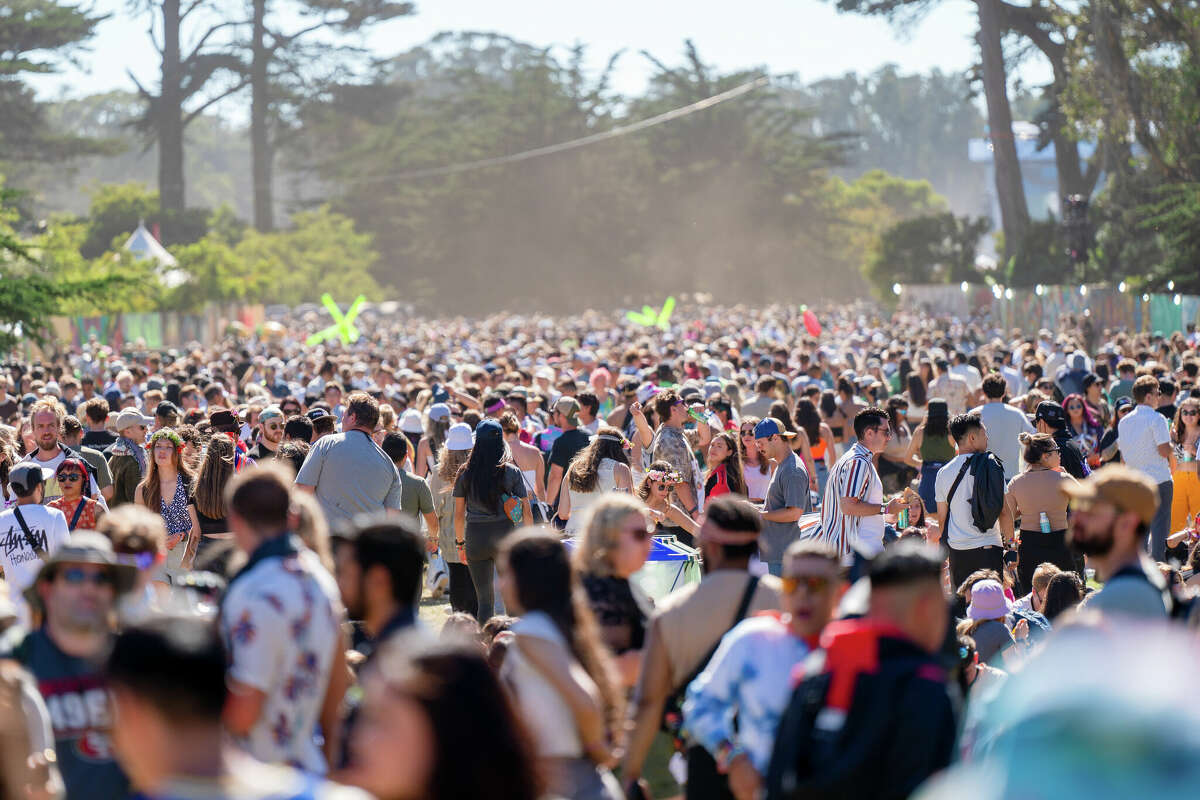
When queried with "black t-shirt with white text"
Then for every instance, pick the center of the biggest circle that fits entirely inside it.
(81, 713)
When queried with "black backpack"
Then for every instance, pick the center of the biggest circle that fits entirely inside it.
(811, 759)
(987, 499)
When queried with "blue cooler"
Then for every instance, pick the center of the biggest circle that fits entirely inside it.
(669, 566)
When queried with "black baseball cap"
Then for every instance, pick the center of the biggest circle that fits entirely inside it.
(1052, 414)
(166, 407)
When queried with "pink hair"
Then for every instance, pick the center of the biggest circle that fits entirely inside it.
(1088, 416)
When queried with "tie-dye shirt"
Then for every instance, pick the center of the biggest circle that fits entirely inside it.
(749, 676)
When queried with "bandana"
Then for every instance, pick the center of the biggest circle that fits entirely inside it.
(139, 455)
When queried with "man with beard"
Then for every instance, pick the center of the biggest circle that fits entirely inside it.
(378, 568)
(270, 436)
(46, 420)
(78, 586)
(1113, 510)
(379, 576)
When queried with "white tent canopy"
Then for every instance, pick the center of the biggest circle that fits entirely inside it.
(143, 245)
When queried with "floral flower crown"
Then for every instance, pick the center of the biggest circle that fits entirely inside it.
(664, 476)
(165, 433)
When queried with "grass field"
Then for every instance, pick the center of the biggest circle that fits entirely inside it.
(434, 610)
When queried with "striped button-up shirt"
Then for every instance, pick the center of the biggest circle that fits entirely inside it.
(852, 476)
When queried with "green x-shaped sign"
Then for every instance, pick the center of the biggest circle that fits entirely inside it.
(343, 326)
(651, 318)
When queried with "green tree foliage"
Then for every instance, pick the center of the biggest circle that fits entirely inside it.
(186, 82)
(320, 252)
(912, 126)
(1041, 257)
(934, 248)
(726, 199)
(294, 52)
(35, 37)
(866, 208)
(116, 210)
(1136, 89)
(32, 289)
(216, 157)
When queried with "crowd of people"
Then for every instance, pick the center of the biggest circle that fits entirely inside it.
(223, 567)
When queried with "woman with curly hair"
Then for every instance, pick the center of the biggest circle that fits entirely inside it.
(601, 466)
(167, 490)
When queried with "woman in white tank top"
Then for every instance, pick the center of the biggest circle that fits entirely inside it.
(602, 466)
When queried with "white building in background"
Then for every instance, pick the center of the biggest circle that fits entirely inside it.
(1039, 173)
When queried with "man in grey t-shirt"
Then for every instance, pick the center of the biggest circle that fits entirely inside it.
(787, 495)
(1004, 424)
(347, 471)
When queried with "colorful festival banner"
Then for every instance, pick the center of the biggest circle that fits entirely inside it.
(1028, 311)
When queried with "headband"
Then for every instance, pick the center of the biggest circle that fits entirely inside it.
(608, 437)
(494, 407)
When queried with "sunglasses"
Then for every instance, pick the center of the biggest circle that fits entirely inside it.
(814, 584)
(274, 426)
(76, 576)
(142, 561)
(1191, 412)
(747, 434)
(68, 477)
(640, 532)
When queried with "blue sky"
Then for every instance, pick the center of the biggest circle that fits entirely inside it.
(803, 36)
